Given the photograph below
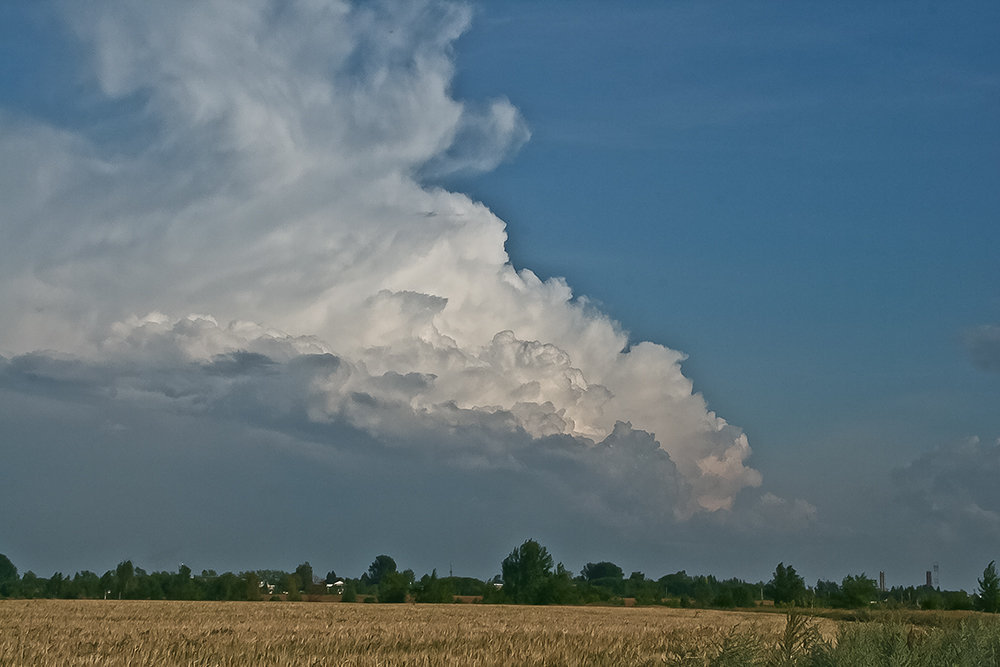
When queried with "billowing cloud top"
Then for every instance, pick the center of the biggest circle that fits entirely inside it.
(254, 239)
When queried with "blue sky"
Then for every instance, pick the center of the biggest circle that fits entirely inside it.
(800, 198)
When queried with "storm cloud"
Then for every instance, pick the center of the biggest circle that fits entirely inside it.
(252, 257)
(952, 490)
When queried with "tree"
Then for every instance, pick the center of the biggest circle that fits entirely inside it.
(602, 570)
(679, 584)
(558, 588)
(380, 567)
(742, 593)
(292, 585)
(87, 584)
(858, 590)
(55, 586)
(989, 589)
(8, 576)
(331, 577)
(180, 586)
(526, 570)
(827, 592)
(432, 589)
(31, 585)
(394, 587)
(251, 586)
(703, 590)
(305, 574)
(786, 586)
(125, 578)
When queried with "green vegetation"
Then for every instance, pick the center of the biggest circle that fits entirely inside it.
(989, 589)
(974, 642)
(529, 575)
(786, 586)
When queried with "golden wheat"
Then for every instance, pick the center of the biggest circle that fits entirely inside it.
(99, 632)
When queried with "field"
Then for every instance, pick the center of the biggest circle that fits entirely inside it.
(98, 632)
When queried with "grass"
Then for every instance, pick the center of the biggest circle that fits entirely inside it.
(99, 632)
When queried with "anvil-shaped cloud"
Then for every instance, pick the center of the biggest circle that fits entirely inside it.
(263, 171)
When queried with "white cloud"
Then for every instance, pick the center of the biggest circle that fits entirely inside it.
(274, 190)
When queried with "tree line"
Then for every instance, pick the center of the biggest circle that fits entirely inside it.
(528, 575)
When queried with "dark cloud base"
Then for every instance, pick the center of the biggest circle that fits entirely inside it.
(203, 465)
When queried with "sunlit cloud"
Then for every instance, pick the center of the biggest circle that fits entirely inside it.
(265, 253)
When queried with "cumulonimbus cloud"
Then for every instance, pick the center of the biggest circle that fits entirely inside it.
(269, 182)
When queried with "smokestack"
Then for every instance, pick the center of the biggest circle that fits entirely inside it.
(929, 580)
(881, 581)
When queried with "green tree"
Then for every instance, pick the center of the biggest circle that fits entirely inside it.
(957, 600)
(989, 589)
(87, 585)
(108, 584)
(380, 567)
(305, 574)
(124, 578)
(394, 587)
(467, 585)
(558, 588)
(251, 586)
(742, 593)
(786, 586)
(55, 587)
(526, 571)
(31, 586)
(292, 585)
(350, 592)
(858, 590)
(8, 576)
(181, 586)
(601, 581)
(679, 584)
(432, 589)
(827, 592)
(602, 570)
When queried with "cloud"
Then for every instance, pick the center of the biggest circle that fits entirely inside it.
(296, 443)
(260, 251)
(952, 489)
(483, 138)
(983, 346)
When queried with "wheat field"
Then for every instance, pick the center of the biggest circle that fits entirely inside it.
(104, 632)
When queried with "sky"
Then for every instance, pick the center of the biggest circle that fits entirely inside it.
(683, 285)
